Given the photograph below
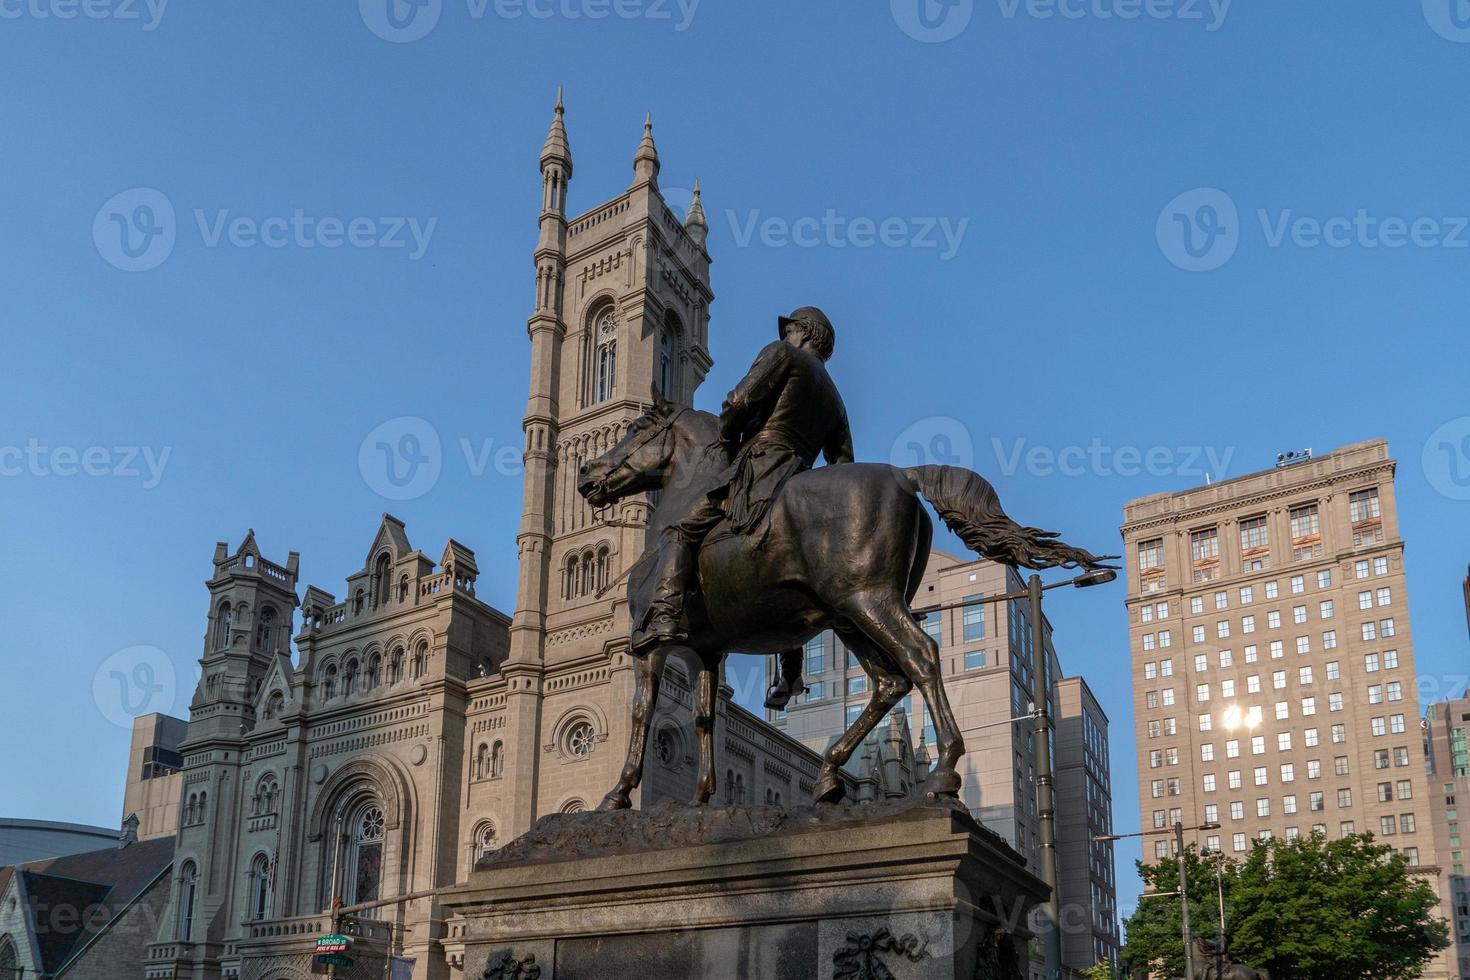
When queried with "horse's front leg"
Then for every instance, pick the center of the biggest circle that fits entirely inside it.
(704, 727)
(648, 673)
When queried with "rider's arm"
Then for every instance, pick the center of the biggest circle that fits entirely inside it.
(748, 404)
(839, 443)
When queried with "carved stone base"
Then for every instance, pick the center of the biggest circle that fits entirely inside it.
(848, 893)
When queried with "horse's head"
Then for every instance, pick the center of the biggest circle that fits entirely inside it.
(640, 460)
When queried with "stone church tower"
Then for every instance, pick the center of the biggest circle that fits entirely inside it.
(621, 313)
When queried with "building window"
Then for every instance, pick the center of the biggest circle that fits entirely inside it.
(1254, 544)
(974, 659)
(486, 840)
(578, 740)
(260, 882)
(188, 893)
(365, 855)
(265, 625)
(1363, 505)
(605, 331)
(222, 625)
(1306, 533)
(973, 623)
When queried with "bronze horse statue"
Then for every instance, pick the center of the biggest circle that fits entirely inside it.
(1204, 951)
(843, 547)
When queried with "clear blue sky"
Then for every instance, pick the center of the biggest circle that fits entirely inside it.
(1059, 314)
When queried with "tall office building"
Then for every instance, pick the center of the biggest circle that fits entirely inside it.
(1273, 665)
(1447, 749)
(985, 659)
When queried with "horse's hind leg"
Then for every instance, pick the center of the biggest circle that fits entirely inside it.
(705, 690)
(889, 688)
(886, 620)
(647, 674)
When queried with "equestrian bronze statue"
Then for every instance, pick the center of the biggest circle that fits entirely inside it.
(757, 552)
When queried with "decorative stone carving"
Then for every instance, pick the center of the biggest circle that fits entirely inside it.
(504, 966)
(860, 959)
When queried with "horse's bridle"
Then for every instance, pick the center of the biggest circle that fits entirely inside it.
(651, 433)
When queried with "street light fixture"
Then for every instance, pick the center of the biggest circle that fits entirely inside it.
(1178, 831)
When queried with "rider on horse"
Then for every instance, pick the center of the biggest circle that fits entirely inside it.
(782, 414)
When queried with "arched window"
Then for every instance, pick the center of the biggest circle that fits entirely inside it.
(374, 671)
(349, 676)
(573, 806)
(329, 683)
(357, 601)
(606, 332)
(497, 760)
(203, 805)
(664, 376)
(365, 854)
(486, 840)
(402, 588)
(769, 798)
(191, 808)
(267, 795)
(420, 660)
(222, 625)
(275, 705)
(601, 570)
(729, 785)
(587, 573)
(740, 787)
(382, 582)
(265, 625)
(260, 886)
(482, 761)
(8, 967)
(188, 892)
(395, 666)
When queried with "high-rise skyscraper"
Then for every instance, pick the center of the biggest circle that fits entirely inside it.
(1273, 665)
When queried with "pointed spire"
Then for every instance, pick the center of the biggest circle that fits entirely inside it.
(558, 149)
(695, 222)
(646, 164)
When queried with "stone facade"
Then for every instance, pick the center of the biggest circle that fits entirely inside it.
(1273, 661)
(418, 726)
(1447, 745)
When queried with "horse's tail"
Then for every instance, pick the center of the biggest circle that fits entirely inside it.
(969, 507)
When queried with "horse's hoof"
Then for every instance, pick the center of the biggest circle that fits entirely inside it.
(942, 783)
(614, 801)
(829, 789)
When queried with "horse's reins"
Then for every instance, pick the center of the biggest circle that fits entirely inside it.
(653, 433)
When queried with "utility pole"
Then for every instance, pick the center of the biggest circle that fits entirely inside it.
(1184, 901)
(1045, 796)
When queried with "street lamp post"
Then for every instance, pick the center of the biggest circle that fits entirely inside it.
(1178, 831)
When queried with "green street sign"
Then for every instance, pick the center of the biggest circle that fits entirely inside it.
(332, 943)
(334, 959)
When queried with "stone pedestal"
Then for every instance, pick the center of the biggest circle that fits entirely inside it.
(764, 892)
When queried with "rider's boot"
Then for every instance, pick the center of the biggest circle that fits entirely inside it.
(673, 575)
(787, 684)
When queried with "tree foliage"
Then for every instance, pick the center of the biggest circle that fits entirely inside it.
(1307, 909)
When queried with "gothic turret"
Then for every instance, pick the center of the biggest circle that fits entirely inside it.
(695, 222)
(645, 164)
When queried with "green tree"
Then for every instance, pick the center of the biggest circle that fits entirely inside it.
(1100, 971)
(1308, 909)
